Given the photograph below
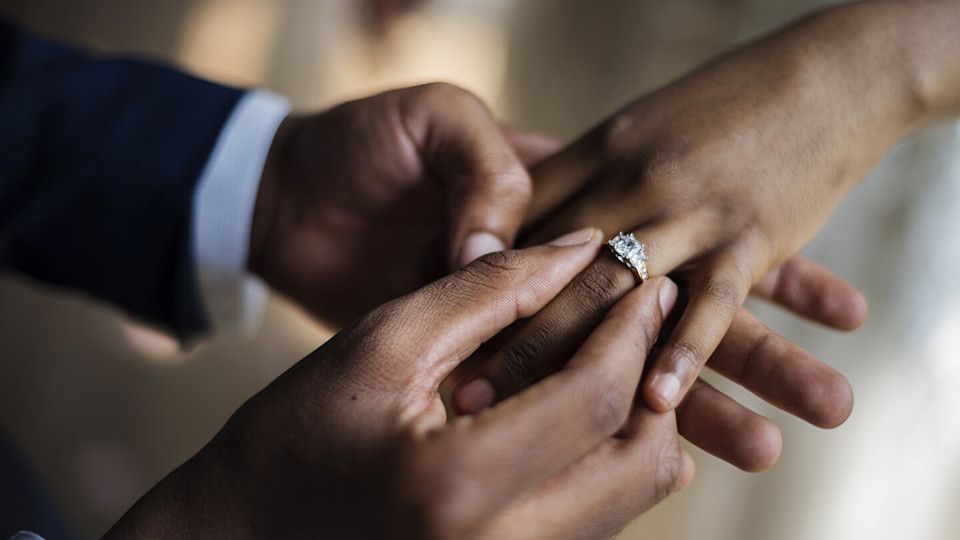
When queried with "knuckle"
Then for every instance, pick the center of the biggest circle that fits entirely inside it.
(372, 335)
(451, 93)
(722, 293)
(495, 270)
(688, 356)
(664, 165)
(525, 360)
(599, 287)
(441, 89)
(614, 135)
(755, 368)
(664, 161)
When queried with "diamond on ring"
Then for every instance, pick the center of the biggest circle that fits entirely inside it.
(629, 251)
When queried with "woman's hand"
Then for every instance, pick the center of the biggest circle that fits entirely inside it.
(724, 175)
(728, 172)
(353, 441)
(374, 198)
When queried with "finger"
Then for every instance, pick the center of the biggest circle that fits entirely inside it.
(722, 427)
(557, 179)
(782, 373)
(714, 301)
(543, 344)
(451, 317)
(668, 242)
(544, 429)
(530, 147)
(609, 487)
(462, 145)
(687, 470)
(810, 290)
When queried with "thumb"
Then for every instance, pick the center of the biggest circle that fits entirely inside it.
(488, 187)
(438, 326)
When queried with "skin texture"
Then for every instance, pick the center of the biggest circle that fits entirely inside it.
(724, 175)
(419, 169)
(353, 442)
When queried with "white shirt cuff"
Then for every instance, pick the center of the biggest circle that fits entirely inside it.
(223, 204)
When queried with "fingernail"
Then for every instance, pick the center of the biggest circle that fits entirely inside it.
(574, 238)
(668, 296)
(477, 245)
(667, 386)
(475, 395)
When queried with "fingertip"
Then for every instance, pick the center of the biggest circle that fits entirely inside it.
(687, 469)
(844, 309)
(668, 296)
(477, 245)
(837, 404)
(474, 396)
(760, 445)
(662, 392)
(576, 238)
(857, 311)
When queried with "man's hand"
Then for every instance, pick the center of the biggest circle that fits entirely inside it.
(353, 441)
(374, 198)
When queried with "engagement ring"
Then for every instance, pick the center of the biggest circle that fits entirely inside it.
(629, 251)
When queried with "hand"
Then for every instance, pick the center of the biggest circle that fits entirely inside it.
(723, 175)
(353, 442)
(750, 354)
(729, 171)
(376, 197)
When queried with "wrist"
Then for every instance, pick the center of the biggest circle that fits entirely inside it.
(269, 198)
(900, 58)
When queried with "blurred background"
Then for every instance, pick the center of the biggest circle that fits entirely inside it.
(105, 408)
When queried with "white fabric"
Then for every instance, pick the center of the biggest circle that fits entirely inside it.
(223, 206)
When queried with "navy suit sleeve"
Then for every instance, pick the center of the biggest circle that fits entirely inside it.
(98, 162)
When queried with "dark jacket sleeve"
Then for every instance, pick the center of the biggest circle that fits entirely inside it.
(98, 162)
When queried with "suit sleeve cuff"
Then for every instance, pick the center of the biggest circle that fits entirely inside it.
(223, 206)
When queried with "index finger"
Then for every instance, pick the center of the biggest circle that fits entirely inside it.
(451, 317)
(544, 429)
